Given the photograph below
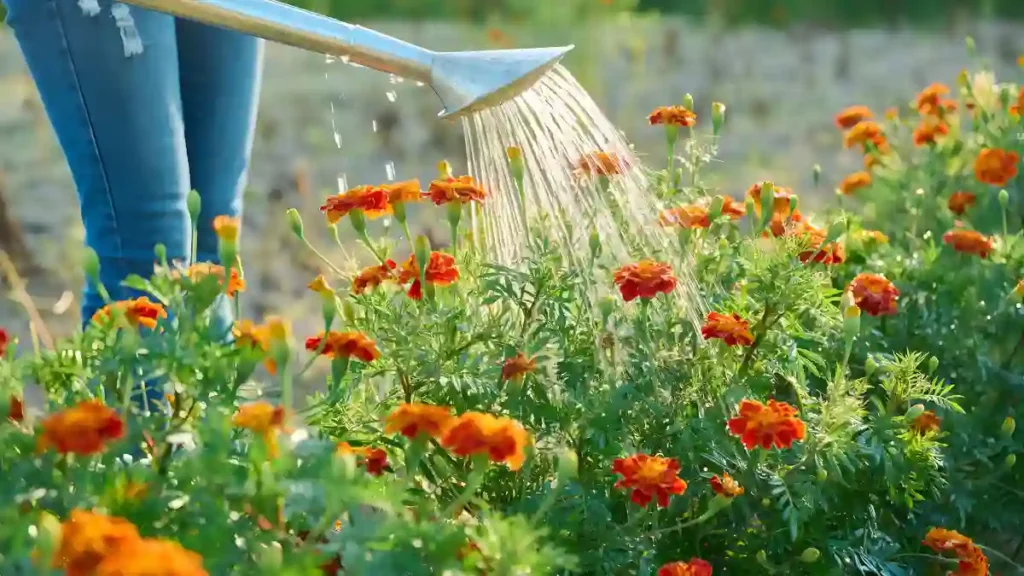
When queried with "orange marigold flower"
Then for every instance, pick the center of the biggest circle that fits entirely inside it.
(649, 478)
(969, 242)
(874, 294)
(783, 212)
(726, 485)
(602, 164)
(411, 420)
(517, 367)
(854, 182)
(441, 271)
(151, 557)
(928, 131)
(227, 227)
(344, 345)
(373, 276)
(500, 439)
(463, 189)
(766, 425)
(1018, 290)
(645, 279)
(732, 208)
(926, 422)
(996, 166)
(673, 116)
(372, 200)
(83, 429)
(320, 286)
(959, 202)
(1018, 106)
(16, 412)
(830, 255)
(866, 132)
(4, 342)
(972, 561)
(689, 216)
(250, 335)
(263, 419)
(200, 270)
(139, 312)
(87, 538)
(405, 191)
(871, 236)
(695, 567)
(853, 115)
(731, 328)
(929, 101)
(375, 460)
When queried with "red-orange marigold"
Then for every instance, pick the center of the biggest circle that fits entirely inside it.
(969, 242)
(851, 116)
(972, 560)
(731, 328)
(645, 279)
(930, 100)
(403, 192)
(4, 342)
(960, 202)
(200, 270)
(441, 271)
(500, 439)
(83, 429)
(16, 412)
(649, 478)
(151, 557)
(726, 485)
(829, 255)
(87, 538)
(927, 422)
(348, 344)
(866, 132)
(874, 294)
(411, 420)
(762, 425)
(373, 276)
(673, 116)
(372, 200)
(732, 208)
(854, 182)
(689, 216)
(375, 460)
(996, 166)
(518, 366)
(695, 567)
(929, 131)
(139, 312)
(463, 189)
(602, 164)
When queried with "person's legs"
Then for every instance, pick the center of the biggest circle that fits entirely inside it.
(220, 85)
(109, 80)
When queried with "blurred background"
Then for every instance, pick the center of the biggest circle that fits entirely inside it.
(782, 67)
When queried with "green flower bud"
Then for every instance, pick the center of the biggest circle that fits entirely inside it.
(348, 311)
(762, 556)
(822, 474)
(195, 205)
(595, 243)
(49, 536)
(870, 367)
(1009, 425)
(816, 174)
(444, 169)
(295, 222)
(933, 364)
(269, 557)
(810, 555)
(160, 251)
(717, 117)
(971, 47)
(914, 411)
(568, 465)
(715, 210)
(688, 101)
(1004, 198)
(1011, 459)
(91, 265)
(516, 165)
(358, 219)
(606, 306)
(766, 503)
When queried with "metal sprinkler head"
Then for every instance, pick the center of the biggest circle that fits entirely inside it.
(466, 82)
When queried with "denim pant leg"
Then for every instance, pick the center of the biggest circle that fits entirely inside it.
(109, 80)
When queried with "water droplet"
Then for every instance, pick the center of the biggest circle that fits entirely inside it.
(337, 140)
(392, 95)
(374, 125)
(342, 183)
(390, 167)
(420, 83)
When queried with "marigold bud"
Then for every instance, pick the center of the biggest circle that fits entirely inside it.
(870, 367)
(1011, 459)
(195, 205)
(444, 169)
(595, 243)
(715, 210)
(933, 364)
(568, 465)
(810, 555)
(91, 265)
(914, 411)
(1004, 198)
(762, 556)
(348, 311)
(971, 47)
(160, 251)
(688, 101)
(717, 117)
(48, 538)
(822, 474)
(269, 557)
(295, 222)
(1009, 425)
(516, 165)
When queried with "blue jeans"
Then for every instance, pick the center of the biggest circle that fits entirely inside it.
(145, 107)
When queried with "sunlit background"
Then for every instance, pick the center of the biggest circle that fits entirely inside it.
(783, 68)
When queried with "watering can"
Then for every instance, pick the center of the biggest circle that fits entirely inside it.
(466, 82)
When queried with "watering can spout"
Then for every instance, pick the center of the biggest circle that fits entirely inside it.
(466, 82)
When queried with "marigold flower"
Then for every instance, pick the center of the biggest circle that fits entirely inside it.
(517, 367)
(852, 115)
(731, 328)
(16, 412)
(972, 561)
(83, 429)
(602, 164)
(411, 420)
(227, 228)
(344, 345)
(783, 212)
(151, 557)
(854, 182)
(320, 286)
(874, 294)
(649, 478)
(1018, 290)
(732, 208)
(196, 272)
(763, 425)
(372, 200)
(139, 312)
(929, 131)
(250, 335)
(926, 422)
(866, 132)
(830, 255)
(673, 116)
(996, 166)
(500, 439)
(373, 276)
(959, 202)
(405, 191)
(695, 567)
(726, 486)
(871, 236)
(87, 538)
(263, 419)
(463, 189)
(1018, 106)
(929, 101)
(375, 460)
(645, 279)
(4, 342)
(969, 242)
(689, 216)
(441, 271)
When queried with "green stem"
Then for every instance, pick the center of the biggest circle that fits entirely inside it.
(408, 236)
(323, 258)
(473, 483)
